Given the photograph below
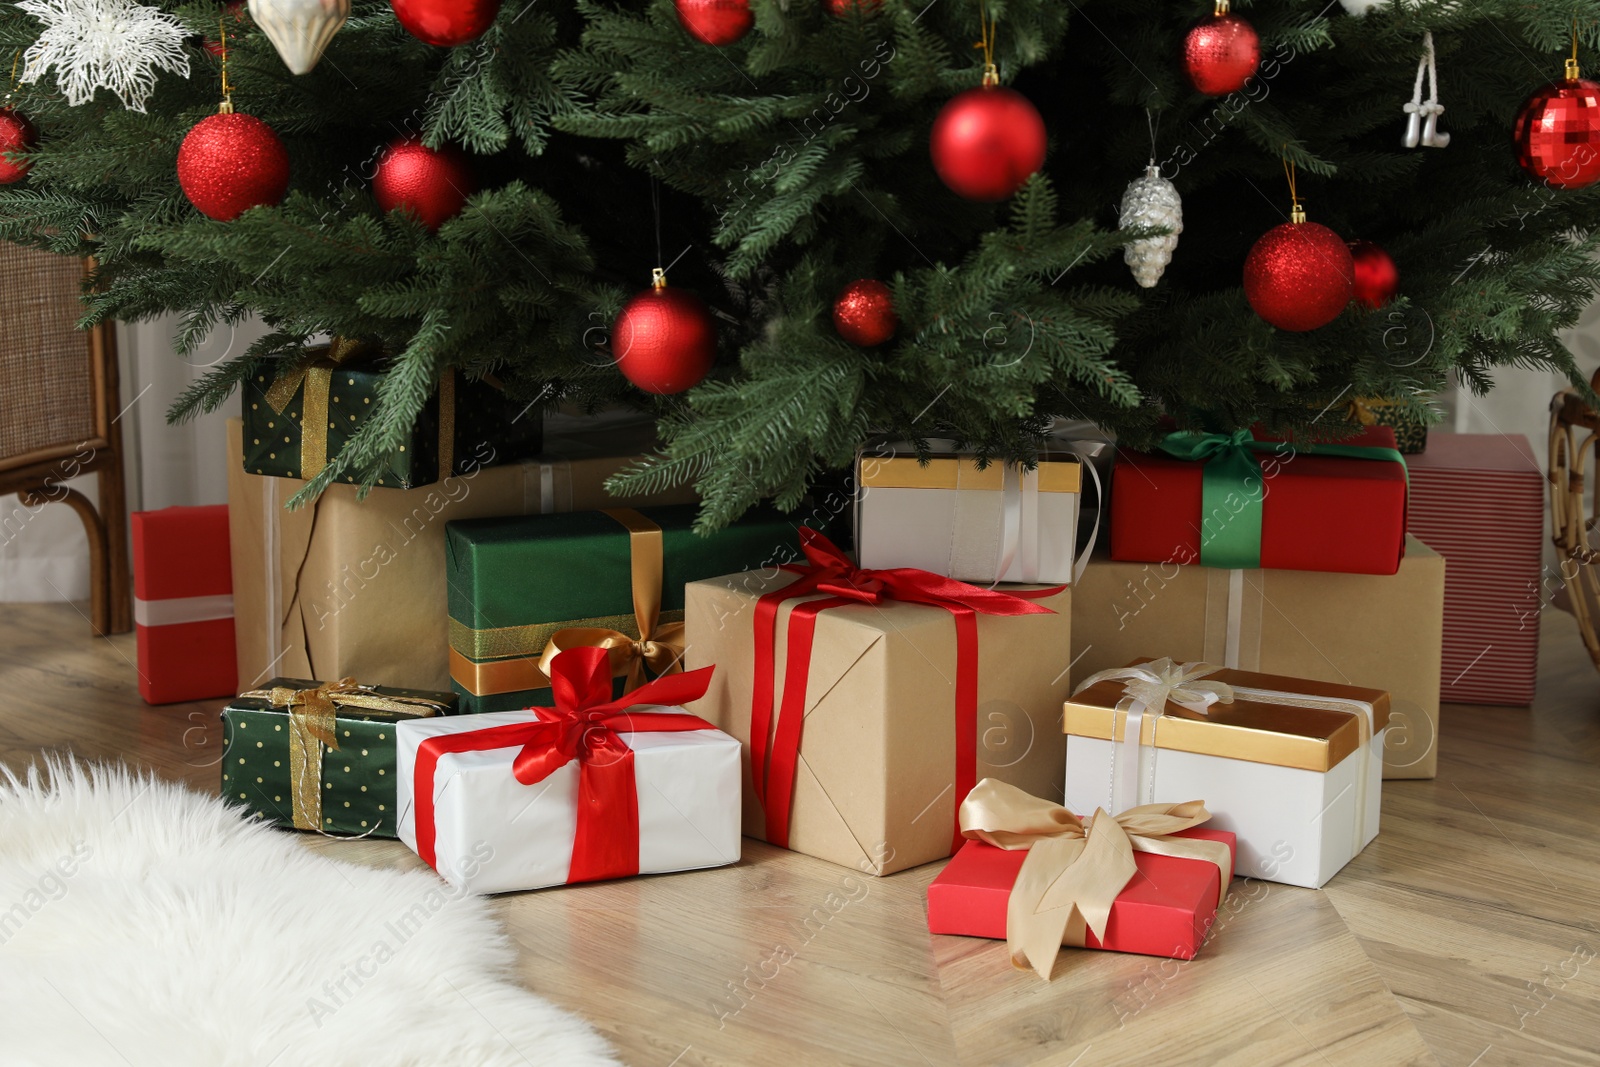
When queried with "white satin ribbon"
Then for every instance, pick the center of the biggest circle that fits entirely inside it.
(180, 609)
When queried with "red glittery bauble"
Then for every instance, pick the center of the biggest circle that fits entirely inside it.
(864, 314)
(16, 135)
(231, 163)
(716, 22)
(845, 7)
(664, 340)
(1299, 276)
(987, 142)
(1220, 53)
(446, 23)
(1376, 275)
(431, 183)
(1557, 134)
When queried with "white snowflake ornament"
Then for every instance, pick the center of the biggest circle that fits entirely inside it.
(1151, 200)
(104, 44)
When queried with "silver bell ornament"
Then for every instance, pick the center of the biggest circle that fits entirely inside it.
(1151, 201)
(300, 29)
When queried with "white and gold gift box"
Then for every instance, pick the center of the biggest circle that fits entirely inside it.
(1293, 767)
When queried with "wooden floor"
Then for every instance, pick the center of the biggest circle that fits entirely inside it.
(1465, 935)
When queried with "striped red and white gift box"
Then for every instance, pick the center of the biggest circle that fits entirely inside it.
(1478, 500)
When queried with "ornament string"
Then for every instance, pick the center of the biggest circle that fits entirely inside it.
(1417, 132)
(11, 89)
(1296, 212)
(1572, 63)
(226, 107)
(991, 74)
(1154, 123)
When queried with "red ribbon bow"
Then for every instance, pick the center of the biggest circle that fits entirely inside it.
(584, 726)
(830, 571)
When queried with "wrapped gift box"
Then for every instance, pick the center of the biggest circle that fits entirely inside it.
(332, 772)
(998, 524)
(297, 420)
(881, 756)
(1293, 767)
(346, 587)
(1378, 630)
(516, 582)
(1318, 508)
(465, 811)
(183, 604)
(1479, 500)
(1410, 431)
(1166, 910)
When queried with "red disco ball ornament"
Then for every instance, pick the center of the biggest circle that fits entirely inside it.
(16, 135)
(230, 163)
(431, 183)
(987, 142)
(1377, 277)
(864, 313)
(664, 340)
(446, 23)
(717, 22)
(1557, 133)
(1299, 276)
(1221, 52)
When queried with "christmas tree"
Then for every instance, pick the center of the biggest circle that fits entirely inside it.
(771, 153)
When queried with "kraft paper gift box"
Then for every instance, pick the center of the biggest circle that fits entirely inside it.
(1383, 631)
(345, 587)
(1479, 500)
(183, 604)
(998, 524)
(1238, 502)
(890, 735)
(318, 757)
(1294, 768)
(298, 419)
(1165, 908)
(621, 787)
(519, 583)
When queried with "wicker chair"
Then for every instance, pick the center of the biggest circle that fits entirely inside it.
(58, 418)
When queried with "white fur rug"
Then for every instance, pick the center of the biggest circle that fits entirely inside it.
(144, 924)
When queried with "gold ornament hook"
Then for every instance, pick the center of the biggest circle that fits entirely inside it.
(226, 107)
(1572, 62)
(658, 278)
(1296, 212)
(1221, 8)
(991, 74)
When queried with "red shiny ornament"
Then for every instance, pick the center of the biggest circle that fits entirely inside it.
(16, 135)
(1220, 54)
(1299, 276)
(717, 22)
(1557, 134)
(664, 340)
(864, 314)
(1377, 277)
(987, 142)
(230, 163)
(841, 8)
(431, 183)
(446, 23)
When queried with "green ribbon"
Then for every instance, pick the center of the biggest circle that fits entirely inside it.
(1233, 488)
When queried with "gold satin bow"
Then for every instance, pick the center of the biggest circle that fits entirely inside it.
(659, 645)
(1075, 868)
(312, 717)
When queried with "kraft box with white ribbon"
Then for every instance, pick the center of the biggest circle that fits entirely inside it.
(1000, 523)
(1293, 767)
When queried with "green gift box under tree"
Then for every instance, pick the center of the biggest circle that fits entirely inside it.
(523, 587)
(320, 757)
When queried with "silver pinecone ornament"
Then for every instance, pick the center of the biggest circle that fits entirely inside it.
(300, 29)
(1151, 201)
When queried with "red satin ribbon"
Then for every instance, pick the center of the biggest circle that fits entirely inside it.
(583, 726)
(829, 570)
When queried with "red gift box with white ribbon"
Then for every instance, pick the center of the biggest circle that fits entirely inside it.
(183, 604)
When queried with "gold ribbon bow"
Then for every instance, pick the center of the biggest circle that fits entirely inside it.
(315, 372)
(312, 717)
(659, 645)
(1075, 868)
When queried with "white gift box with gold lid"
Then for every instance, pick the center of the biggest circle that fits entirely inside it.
(1001, 523)
(1293, 767)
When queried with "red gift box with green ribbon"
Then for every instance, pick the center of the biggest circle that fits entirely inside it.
(1240, 500)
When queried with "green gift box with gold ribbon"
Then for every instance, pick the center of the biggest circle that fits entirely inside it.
(318, 756)
(298, 419)
(524, 587)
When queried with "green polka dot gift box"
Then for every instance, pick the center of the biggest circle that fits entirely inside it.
(318, 756)
(299, 417)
